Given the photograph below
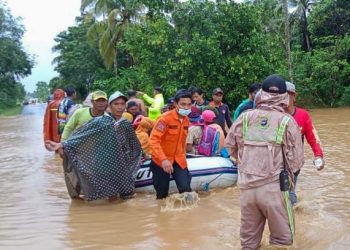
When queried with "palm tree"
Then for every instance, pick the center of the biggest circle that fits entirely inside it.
(300, 13)
(112, 18)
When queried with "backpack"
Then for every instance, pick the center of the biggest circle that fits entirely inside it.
(209, 143)
(62, 113)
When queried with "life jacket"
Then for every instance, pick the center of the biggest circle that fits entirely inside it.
(261, 135)
(209, 143)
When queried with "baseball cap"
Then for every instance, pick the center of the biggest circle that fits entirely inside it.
(274, 84)
(98, 94)
(208, 116)
(217, 90)
(115, 96)
(290, 87)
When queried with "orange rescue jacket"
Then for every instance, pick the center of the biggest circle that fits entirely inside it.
(168, 139)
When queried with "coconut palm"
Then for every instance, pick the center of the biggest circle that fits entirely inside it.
(111, 19)
(301, 8)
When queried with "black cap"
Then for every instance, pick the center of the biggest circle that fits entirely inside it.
(274, 84)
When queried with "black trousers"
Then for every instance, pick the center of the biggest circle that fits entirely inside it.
(161, 179)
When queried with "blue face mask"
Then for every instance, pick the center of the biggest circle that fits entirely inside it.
(184, 112)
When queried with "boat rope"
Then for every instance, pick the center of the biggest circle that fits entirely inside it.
(206, 185)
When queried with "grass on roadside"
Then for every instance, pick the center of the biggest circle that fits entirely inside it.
(11, 111)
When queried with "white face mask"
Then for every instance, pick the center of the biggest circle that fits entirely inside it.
(184, 112)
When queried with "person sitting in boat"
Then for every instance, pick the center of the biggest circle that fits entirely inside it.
(194, 132)
(209, 118)
(168, 143)
(143, 131)
(132, 108)
(102, 157)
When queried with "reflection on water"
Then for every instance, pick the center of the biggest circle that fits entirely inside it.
(37, 213)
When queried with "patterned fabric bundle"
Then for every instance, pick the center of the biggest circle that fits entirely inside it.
(102, 158)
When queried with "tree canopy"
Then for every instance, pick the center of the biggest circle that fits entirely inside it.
(15, 63)
(209, 44)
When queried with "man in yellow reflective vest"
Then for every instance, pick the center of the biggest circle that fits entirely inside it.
(156, 103)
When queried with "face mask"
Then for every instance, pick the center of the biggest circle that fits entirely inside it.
(184, 112)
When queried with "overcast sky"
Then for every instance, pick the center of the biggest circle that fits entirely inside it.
(43, 20)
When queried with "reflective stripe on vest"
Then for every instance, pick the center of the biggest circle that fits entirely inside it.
(279, 133)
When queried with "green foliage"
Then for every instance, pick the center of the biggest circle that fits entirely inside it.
(42, 91)
(208, 44)
(323, 76)
(14, 110)
(78, 62)
(330, 18)
(204, 44)
(15, 63)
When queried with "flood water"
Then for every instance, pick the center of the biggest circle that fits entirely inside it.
(37, 213)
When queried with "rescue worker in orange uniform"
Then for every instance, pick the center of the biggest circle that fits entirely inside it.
(168, 143)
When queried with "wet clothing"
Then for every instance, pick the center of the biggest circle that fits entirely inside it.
(167, 141)
(223, 115)
(255, 140)
(64, 109)
(161, 179)
(257, 205)
(104, 157)
(50, 118)
(156, 103)
(308, 130)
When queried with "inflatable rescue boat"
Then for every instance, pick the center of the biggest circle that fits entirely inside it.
(213, 172)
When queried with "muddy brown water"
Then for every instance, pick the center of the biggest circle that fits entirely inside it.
(37, 213)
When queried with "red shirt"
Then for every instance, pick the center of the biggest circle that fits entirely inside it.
(302, 117)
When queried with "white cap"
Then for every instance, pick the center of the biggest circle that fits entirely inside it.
(290, 87)
(115, 96)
